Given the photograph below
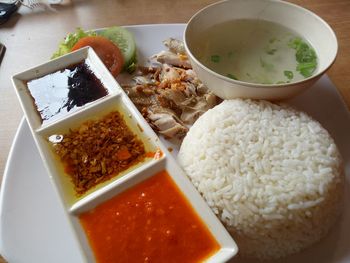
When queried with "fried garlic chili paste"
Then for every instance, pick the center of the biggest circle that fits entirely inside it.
(98, 150)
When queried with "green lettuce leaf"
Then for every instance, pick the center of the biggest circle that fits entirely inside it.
(67, 44)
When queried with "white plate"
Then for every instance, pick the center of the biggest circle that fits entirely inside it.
(33, 228)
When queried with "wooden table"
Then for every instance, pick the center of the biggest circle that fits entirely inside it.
(31, 36)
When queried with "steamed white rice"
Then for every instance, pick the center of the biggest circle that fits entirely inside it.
(270, 173)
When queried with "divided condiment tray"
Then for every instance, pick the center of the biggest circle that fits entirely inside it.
(152, 159)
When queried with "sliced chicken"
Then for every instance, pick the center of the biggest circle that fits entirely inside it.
(167, 125)
(177, 60)
(175, 46)
(169, 95)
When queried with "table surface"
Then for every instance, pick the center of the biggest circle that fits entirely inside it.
(31, 36)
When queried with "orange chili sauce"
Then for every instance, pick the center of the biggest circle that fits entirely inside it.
(150, 222)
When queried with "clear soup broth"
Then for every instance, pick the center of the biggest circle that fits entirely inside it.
(256, 51)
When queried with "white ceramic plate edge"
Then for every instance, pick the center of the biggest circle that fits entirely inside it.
(327, 95)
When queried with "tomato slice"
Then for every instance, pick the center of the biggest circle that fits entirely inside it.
(108, 52)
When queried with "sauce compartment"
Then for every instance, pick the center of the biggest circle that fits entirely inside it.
(218, 246)
(71, 121)
(56, 94)
(53, 90)
(105, 144)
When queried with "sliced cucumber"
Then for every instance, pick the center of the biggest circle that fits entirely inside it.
(126, 43)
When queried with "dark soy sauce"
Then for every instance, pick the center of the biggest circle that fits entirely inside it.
(58, 93)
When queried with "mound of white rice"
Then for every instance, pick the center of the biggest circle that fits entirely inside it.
(270, 173)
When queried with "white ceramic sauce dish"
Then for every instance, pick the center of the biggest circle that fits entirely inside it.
(115, 100)
(307, 24)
